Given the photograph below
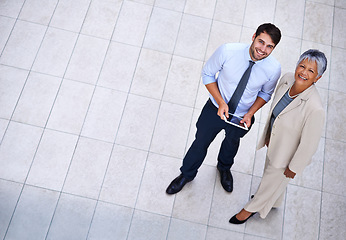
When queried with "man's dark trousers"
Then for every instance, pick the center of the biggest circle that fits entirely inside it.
(209, 124)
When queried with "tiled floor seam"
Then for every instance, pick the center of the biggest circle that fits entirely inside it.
(62, 80)
(14, 111)
(128, 93)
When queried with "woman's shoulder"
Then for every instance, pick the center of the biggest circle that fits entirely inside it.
(314, 102)
(288, 77)
(315, 98)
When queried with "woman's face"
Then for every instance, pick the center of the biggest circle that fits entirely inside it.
(306, 73)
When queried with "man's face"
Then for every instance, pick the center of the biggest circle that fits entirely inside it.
(261, 46)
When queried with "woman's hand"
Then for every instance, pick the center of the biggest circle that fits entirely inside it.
(289, 174)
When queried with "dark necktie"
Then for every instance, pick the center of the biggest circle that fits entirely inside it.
(233, 103)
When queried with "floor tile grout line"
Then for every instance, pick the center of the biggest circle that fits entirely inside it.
(258, 135)
(172, 54)
(8, 38)
(1, 53)
(199, 86)
(284, 201)
(114, 139)
(61, 77)
(71, 53)
(174, 103)
(285, 198)
(167, 52)
(178, 158)
(53, 189)
(159, 108)
(10, 120)
(126, 206)
(252, 176)
(125, 104)
(56, 96)
(14, 210)
(55, 27)
(28, 70)
(14, 24)
(92, 84)
(149, 152)
(326, 129)
(195, 109)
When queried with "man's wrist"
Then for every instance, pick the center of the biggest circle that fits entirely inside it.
(221, 102)
(250, 114)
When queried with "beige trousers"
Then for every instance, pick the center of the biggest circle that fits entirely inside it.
(270, 192)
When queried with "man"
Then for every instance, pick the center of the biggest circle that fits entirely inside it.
(231, 61)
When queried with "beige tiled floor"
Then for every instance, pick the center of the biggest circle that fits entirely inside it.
(98, 101)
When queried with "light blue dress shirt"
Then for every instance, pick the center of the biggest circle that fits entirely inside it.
(230, 61)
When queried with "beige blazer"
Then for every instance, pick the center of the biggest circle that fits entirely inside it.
(297, 129)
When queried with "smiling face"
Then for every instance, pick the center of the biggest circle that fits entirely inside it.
(261, 46)
(306, 74)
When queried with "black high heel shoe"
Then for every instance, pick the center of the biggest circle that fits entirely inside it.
(234, 219)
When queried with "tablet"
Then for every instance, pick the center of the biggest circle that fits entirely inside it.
(235, 121)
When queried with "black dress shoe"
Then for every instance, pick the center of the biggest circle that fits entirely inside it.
(177, 184)
(226, 180)
(235, 220)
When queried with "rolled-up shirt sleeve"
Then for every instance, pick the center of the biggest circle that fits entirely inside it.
(213, 66)
(269, 87)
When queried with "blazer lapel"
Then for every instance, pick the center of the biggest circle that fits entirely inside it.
(304, 96)
(295, 103)
(278, 95)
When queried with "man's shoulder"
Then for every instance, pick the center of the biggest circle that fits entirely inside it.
(232, 50)
(271, 67)
(273, 62)
(235, 46)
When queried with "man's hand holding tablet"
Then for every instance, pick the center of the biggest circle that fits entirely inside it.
(235, 121)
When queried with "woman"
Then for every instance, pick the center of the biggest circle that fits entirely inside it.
(292, 133)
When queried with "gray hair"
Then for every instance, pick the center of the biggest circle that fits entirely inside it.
(315, 55)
